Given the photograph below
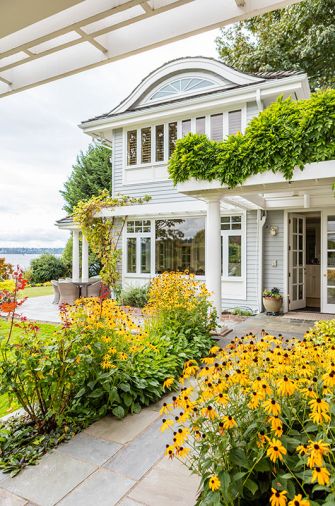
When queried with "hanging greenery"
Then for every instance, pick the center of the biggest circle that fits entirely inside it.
(102, 233)
(287, 134)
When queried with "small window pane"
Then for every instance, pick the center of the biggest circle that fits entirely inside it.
(131, 254)
(159, 143)
(185, 127)
(200, 125)
(146, 145)
(234, 255)
(331, 223)
(131, 226)
(132, 147)
(145, 254)
(172, 137)
(217, 127)
(146, 226)
(234, 121)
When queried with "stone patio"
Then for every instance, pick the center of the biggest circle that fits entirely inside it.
(40, 309)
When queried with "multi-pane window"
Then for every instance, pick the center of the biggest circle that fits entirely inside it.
(146, 145)
(200, 125)
(216, 125)
(185, 127)
(234, 122)
(132, 147)
(138, 243)
(172, 137)
(159, 156)
(231, 246)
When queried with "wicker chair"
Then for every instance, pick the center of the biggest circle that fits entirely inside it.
(56, 291)
(69, 293)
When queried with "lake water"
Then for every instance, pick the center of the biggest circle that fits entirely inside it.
(21, 260)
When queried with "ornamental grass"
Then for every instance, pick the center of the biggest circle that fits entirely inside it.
(256, 421)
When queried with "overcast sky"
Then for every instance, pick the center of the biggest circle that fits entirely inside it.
(39, 138)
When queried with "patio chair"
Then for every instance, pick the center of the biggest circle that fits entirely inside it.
(97, 289)
(69, 293)
(56, 291)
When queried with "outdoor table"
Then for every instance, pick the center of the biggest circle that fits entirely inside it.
(83, 285)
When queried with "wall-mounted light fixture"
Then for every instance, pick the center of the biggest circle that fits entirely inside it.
(273, 230)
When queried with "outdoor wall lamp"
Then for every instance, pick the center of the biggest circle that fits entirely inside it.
(273, 230)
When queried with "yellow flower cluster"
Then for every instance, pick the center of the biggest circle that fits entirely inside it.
(272, 389)
(175, 290)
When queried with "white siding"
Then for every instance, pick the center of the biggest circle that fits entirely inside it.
(273, 252)
(252, 110)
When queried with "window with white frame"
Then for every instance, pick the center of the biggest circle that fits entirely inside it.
(138, 247)
(232, 246)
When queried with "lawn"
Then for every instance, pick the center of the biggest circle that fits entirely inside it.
(37, 291)
(46, 328)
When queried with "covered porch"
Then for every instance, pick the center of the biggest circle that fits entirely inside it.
(309, 190)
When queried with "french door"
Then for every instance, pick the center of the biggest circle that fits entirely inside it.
(328, 262)
(297, 261)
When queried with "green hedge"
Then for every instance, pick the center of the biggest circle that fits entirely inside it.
(287, 134)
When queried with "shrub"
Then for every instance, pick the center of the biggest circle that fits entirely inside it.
(323, 330)
(8, 284)
(260, 426)
(45, 268)
(135, 296)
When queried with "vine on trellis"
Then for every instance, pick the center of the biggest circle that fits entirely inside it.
(103, 233)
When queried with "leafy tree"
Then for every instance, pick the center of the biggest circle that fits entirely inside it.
(300, 37)
(45, 268)
(91, 173)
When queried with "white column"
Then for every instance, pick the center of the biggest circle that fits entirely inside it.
(84, 259)
(75, 256)
(213, 251)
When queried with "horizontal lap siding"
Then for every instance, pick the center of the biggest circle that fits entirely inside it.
(159, 191)
(273, 276)
(251, 267)
(252, 111)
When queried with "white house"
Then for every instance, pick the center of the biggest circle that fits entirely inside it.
(266, 233)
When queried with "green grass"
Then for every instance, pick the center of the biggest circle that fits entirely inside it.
(47, 329)
(37, 291)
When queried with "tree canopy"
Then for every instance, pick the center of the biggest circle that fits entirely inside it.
(300, 37)
(91, 174)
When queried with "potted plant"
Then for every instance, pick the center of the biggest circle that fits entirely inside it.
(272, 300)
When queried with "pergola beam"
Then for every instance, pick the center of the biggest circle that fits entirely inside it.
(36, 54)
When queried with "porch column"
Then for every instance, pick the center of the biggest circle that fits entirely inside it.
(213, 252)
(84, 259)
(75, 256)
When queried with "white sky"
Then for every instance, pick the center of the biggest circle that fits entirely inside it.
(39, 138)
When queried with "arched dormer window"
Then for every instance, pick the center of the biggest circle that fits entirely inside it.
(181, 86)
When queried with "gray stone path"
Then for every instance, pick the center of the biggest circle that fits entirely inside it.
(40, 309)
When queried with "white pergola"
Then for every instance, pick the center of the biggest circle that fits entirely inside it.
(44, 40)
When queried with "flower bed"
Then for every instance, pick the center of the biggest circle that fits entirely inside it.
(99, 361)
(259, 426)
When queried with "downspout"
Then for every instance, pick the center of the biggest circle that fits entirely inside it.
(261, 219)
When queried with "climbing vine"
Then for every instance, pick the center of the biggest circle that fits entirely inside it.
(287, 134)
(103, 233)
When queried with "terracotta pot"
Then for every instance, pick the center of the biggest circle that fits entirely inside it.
(272, 304)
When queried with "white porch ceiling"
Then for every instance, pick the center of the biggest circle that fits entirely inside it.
(41, 40)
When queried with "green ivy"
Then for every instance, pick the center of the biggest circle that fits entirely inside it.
(286, 135)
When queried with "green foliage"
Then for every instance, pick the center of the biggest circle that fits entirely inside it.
(273, 293)
(103, 234)
(93, 262)
(298, 38)
(45, 268)
(323, 330)
(240, 311)
(134, 296)
(90, 175)
(285, 135)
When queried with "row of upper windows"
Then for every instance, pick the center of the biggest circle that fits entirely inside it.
(154, 144)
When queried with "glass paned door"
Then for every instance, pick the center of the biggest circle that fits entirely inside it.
(297, 261)
(328, 262)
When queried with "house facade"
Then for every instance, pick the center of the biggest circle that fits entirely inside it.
(266, 233)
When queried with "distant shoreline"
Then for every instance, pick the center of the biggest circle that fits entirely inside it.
(30, 251)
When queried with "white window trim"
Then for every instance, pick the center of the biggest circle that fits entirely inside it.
(224, 237)
(138, 236)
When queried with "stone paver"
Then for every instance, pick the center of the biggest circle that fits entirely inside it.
(122, 431)
(136, 458)
(49, 481)
(130, 502)
(89, 449)
(3, 476)
(41, 309)
(169, 483)
(9, 499)
(103, 488)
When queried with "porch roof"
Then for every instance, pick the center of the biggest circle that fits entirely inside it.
(308, 188)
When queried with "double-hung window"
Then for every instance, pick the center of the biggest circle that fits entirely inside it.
(232, 246)
(138, 245)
